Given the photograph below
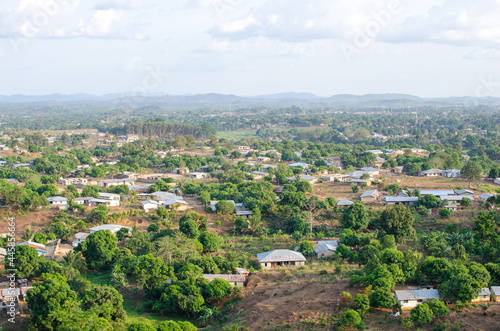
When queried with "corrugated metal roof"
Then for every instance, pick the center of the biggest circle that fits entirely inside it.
(496, 290)
(280, 255)
(437, 192)
(401, 199)
(485, 292)
(230, 278)
(324, 247)
(344, 202)
(370, 193)
(416, 295)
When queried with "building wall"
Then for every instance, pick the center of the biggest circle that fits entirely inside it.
(325, 254)
(271, 265)
(410, 304)
(482, 299)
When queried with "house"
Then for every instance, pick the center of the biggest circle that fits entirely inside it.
(450, 173)
(405, 201)
(267, 166)
(454, 198)
(430, 173)
(106, 202)
(451, 207)
(464, 192)
(242, 148)
(57, 200)
(495, 292)
(263, 158)
(83, 200)
(496, 181)
(360, 182)
(397, 170)
(370, 170)
(307, 178)
(375, 151)
(79, 238)
(280, 257)
(139, 188)
(408, 299)
(180, 171)
(40, 248)
(234, 280)
(199, 175)
(116, 182)
(485, 196)
(160, 196)
(129, 138)
(344, 203)
(259, 174)
(21, 165)
(242, 211)
(326, 248)
(484, 295)
(109, 196)
(370, 196)
(333, 177)
(181, 204)
(437, 192)
(149, 205)
(242, 271)
(359, 174)
(214, 203)
(299, 164)
(111, 227)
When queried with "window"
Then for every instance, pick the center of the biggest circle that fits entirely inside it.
(265, 264)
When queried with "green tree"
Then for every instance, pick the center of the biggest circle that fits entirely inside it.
(421, 314)
(105, 301)
(471, 171)
(26, 261)
(190, 228)
(98, 249)
(382, 298)
(210, 241)
(429, 201)
(350, 318)
(218, 289)
(397, 221)
(444, 213)
(141, 326)
(49, 301)
(466, 202)
(438, 308)
(307, 248)
(355, 217)
(362, 303)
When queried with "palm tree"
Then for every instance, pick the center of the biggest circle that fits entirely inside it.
(28, 234)
(254, 223)
(73, 260)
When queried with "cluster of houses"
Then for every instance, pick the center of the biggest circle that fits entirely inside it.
(107, 199)
(409, 299)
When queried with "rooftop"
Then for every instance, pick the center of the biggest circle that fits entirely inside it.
(280, 255)
(416, 295)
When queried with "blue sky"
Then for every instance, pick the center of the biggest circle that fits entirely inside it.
(428, 48)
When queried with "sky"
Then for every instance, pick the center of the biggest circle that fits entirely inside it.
(429, 48)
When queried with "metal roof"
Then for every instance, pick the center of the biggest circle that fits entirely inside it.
(416, 295)
(324, 247)
(400, 199)
(370, 193)
(437, 192)
(485, 292)
(344, 202)
(280, 255)
(230, 278)
(495, 290)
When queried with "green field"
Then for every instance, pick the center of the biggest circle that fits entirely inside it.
(237, 135)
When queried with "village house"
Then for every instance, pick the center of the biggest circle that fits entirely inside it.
(306, 178)
(79, 238)
(234, 280)
(344, 203)
(40, 248)
(180, 204)
(495, 292)
(496, 181)
(450, 173)
(263, 158)
(149, 205)
(405, 201)
(464, 192)
(409, 299)
(370, 196)
(110, 196)
(454, 198)
(436, 192)
(57, 200)
(299, 164)
(181, 171)
(128, 138)
(333, 177)
(430, 173)
(483, 296)
(111, 227)
(397, 170)
(326, 248)
(116, 182)
(280, 257)
(199, 175)
(83, 200)
(485, 196)
(106, 202)
(370, 171)
(259, 174)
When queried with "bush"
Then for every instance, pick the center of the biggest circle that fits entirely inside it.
(444, 213)
(350, 318)
(421, 314)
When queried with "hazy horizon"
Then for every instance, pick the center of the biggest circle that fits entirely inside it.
(428, 49)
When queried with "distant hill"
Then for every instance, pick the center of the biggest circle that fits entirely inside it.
(286, 99)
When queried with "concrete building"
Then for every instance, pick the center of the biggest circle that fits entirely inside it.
(111, 227)
(79, 238)
(325, 248)
(280, 257)
(409, 299)
(234, 280)
(483, 296)
(370, 196)
(406, 201)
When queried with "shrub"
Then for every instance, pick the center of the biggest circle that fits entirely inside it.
(444, 213)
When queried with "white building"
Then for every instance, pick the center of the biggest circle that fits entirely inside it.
(57, 200)
(79, 238)
(280, 257)
(411, 298)
(111, 227)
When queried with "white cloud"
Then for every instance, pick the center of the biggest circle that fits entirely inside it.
(135, 63)
(122, 4)
(100, 24)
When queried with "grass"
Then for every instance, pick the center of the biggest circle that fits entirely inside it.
(488, 188)
(237, 134)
